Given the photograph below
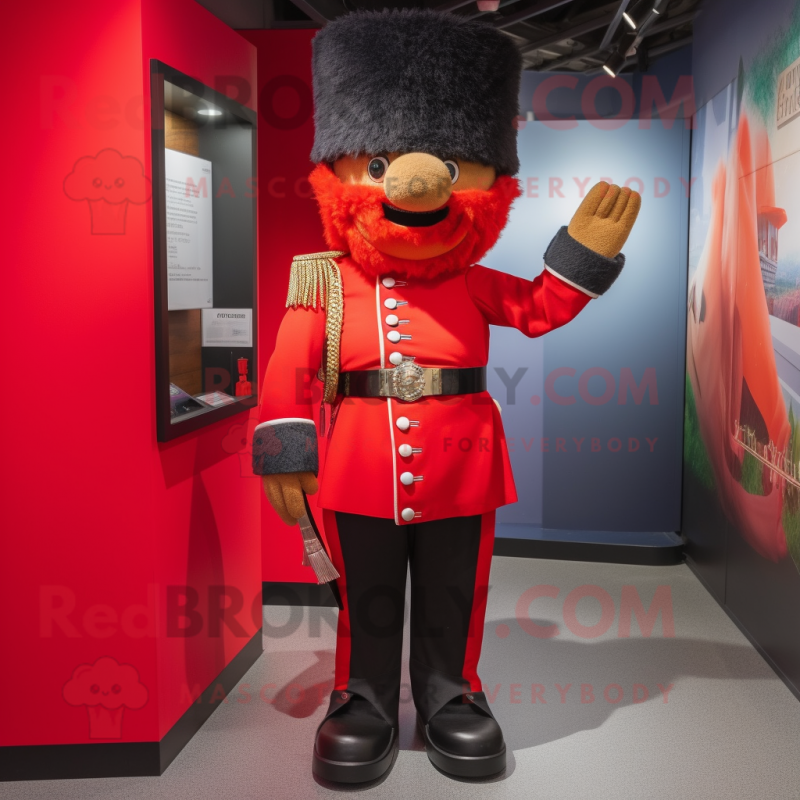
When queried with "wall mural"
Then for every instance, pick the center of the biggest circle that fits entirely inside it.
(742, 432)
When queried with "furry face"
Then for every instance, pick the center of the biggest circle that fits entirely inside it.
(353, 219)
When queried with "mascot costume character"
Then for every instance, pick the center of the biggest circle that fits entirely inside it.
(415, 149)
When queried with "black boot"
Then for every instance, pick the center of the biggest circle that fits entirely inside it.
(463, 739)
(354, 743)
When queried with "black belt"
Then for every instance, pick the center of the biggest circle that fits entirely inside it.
(408, 381)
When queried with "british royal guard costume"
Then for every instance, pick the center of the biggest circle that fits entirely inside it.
(415, 147)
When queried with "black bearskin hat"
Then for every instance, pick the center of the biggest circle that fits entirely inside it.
(416, 80)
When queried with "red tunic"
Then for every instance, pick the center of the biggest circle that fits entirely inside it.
(460, 466)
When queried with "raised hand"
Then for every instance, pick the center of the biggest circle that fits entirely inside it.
(605, 218)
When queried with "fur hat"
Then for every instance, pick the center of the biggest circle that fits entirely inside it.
(413, 80)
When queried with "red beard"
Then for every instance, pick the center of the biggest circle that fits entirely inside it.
(480, 214)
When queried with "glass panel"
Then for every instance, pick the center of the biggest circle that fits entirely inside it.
(209, 193)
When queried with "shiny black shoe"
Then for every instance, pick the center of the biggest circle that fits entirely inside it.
(464, 740)
(355, 744)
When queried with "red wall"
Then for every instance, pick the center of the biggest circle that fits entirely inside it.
(288, 225)
(97, 513)
(207, 500)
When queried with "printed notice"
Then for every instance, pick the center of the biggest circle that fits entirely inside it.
(189, 242)
(227, 327)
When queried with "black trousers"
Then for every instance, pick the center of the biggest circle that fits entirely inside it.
(449, 561)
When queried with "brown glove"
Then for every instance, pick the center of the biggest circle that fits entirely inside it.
(605, 218)
(284, 491)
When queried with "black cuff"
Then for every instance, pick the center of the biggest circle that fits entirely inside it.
(577, 264)
(289, 446)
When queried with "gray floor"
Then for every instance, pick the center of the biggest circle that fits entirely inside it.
(729, 727)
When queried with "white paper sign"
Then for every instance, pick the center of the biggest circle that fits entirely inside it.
(227, 327)
(189, 235)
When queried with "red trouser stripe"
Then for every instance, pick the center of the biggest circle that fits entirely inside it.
(478, 614)
(342, 669)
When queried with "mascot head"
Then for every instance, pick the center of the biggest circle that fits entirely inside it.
(415, 138)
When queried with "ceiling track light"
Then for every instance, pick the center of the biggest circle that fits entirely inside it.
(614, 63)
(640, 12)
(626, 46)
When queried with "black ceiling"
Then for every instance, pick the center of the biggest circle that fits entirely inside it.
(564, 35)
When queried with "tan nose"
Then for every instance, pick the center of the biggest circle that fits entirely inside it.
(417, 182)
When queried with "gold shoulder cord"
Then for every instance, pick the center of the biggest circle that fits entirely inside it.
(316, 281)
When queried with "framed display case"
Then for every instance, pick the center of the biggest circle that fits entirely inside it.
(204, 253)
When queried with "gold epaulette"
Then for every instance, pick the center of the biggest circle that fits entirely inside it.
(316, 281)
(313, 278)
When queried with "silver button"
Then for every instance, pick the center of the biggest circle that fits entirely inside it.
(388, 282)
(393, 336)
(407, 514)
(405, 450)
(392, 320)
(395, 358)
(403, 423)
(407, 478)
(390, 302)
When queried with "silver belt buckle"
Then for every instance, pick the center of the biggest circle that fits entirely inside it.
(408, 381)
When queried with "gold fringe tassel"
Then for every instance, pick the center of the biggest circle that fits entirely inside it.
(315, 281)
